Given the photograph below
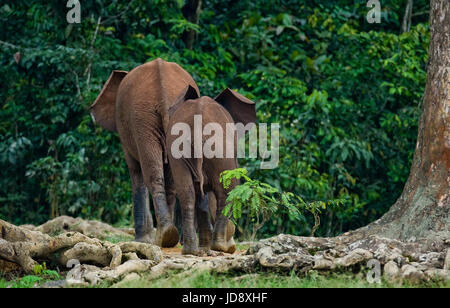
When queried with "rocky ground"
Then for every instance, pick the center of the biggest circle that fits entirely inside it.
(82, 246)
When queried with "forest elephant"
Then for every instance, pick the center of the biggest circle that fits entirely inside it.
(136, 105)
(196, 173)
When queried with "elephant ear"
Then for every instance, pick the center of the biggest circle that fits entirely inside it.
(103, 110)
(241, 108)
(189, 92)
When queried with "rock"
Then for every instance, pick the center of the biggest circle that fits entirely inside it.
(438, 274)
(86, 253)
(412, 239)
(29, 227)
(56, 284)
(321, 263)
(432, 259)
(383, 249)
(124, 281)
(391, 270)
(143, 250)
(419, 266)
(354, 257)
(93, 275)
(384, 253)
(267, 258)
(6, 267)
(292, 260)
(412, 274)
(130, 256)
(284, 243)
(447, 261)
(75, 276)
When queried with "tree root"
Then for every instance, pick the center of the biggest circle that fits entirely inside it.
(416, 261)
(422, 260)
(89, 228)
(26, 247)
(419, 261)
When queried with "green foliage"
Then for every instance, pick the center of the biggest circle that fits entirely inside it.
(41, 275)
(118, 238)
(28, 281)
(261, 202)
(345, 92)
(38, 268)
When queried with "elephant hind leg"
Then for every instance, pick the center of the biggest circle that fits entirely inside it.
(186, 195)
(212, 204)
(204, 222)
(169, 238)
(150, 155)
(143, 222)
(223, 227)
(170, 191)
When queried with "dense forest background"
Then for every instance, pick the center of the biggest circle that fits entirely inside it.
(345, 92)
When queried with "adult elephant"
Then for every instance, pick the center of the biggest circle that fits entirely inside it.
(135, 104)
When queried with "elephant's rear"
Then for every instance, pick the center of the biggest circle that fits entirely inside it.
(196, 173)
(212, 115)
(143, 100)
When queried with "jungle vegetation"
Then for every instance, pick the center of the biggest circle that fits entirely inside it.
(346, 93)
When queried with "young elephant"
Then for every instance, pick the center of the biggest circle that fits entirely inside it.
(196, 173)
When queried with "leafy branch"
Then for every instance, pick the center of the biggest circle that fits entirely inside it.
(263, 200)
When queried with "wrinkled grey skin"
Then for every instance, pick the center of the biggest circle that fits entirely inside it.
(135, 105)
(194, 177)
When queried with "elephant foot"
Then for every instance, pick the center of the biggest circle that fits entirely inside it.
(230, 230)
(167, 236)
(204, 242)
(231, 245)
(224, 246)
(191, 251)
(145, 235)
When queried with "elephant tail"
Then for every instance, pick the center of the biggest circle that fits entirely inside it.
(195, 165)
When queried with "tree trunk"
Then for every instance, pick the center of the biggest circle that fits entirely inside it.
(422, 211)
(406, 26)
(191, 11)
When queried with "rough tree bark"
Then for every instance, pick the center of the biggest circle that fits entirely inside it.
(422, 211)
